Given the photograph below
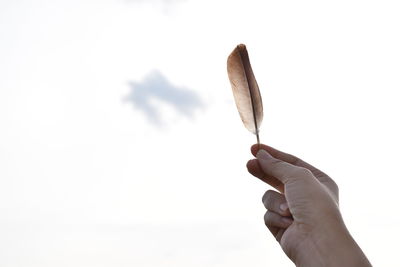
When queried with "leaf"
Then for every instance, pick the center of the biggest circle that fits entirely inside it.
(245, 89)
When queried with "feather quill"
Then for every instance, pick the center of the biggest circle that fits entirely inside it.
(245, 89)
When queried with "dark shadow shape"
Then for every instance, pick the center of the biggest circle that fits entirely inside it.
(156, 86)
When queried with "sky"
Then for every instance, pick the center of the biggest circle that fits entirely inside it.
(120, 142)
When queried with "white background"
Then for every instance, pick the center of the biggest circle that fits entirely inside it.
(87, 179)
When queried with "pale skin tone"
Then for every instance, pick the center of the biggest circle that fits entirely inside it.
(303, 211)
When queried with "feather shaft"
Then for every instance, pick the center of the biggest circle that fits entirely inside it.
(245, 89)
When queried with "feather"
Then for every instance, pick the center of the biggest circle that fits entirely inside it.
(245, 89)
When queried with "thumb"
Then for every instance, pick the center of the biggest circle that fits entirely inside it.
(279, 169)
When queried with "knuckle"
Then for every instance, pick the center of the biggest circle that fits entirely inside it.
(275, 162)
(267, 197)
(302, 172)
(335, 187)
(267, 218)
(335, 190)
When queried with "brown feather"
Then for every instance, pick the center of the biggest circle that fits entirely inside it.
(245, 89)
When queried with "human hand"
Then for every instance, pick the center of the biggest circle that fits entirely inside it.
(304, 215)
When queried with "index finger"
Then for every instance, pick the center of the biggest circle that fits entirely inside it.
(254, 168)
(281, 170)
(288, 158)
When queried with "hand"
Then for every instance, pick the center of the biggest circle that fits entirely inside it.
(304, 215)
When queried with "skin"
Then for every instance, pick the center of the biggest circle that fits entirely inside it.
(303, 213)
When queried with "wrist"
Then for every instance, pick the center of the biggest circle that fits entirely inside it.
(340, 249)
(333, 246)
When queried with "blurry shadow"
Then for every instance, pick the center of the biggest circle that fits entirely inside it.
(156, 86)
(165, 6)
(164, 3)
(155, 1)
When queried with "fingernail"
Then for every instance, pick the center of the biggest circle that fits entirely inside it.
(284, 206)
(262, 154)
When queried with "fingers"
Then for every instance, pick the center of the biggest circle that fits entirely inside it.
(276, 232)
(254, 168)
(276, 202)
(279, 169)
(277, 217)
(273, 219)
(279, 235)
(287, 158)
